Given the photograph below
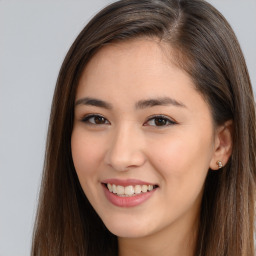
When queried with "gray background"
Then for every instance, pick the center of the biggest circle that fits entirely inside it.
(34, 37)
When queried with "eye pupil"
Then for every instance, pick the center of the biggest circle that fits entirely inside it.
(160, 121)
(99, 120)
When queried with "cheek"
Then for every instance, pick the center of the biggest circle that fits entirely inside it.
(183, 166)
(86, 153)
(183, 161)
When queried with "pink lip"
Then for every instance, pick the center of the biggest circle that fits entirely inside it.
(127, 182)
(129, 201)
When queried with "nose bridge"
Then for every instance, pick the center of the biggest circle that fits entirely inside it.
(126, 148)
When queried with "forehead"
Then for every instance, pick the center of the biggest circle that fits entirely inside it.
(136, 47)
(137, 62)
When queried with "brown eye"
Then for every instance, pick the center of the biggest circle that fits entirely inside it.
(99, 120)
(95, 119)
(160, 121)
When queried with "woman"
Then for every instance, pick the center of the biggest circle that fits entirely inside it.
(151, 145)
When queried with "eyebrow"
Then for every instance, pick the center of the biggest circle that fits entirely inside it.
(93, 102)
(158, 102)
(142, 104)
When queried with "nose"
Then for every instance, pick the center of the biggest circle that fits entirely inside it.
(125, 150)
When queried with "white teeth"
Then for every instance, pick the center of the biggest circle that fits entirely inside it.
(120, 190)
(129, 190)
(144, 188)
(137, 189)
(110, 187)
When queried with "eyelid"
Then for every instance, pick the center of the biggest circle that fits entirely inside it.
(86, 117)
(170, 120)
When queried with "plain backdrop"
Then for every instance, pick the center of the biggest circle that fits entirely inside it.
(34, 38)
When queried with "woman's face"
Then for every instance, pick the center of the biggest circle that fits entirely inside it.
(143, 140)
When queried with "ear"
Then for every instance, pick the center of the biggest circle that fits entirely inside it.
(222, 145)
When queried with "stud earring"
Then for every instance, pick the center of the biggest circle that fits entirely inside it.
(219, 163)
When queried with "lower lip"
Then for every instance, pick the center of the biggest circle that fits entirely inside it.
(127, 201)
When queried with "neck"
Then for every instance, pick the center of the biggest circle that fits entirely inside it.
(174, 240)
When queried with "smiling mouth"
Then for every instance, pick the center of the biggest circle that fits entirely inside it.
(127, 191)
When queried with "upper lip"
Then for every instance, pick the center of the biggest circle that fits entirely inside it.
(126, 182)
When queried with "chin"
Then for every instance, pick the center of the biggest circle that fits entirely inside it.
(127, 233)
(128, 229)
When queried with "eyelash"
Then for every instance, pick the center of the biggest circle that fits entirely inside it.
(88, 117)
(164, 118)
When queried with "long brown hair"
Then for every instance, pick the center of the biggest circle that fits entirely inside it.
(205, 47)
